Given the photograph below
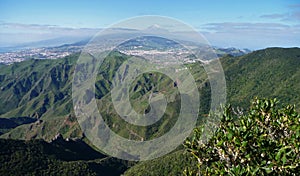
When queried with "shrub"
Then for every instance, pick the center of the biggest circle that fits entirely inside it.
(265, 141)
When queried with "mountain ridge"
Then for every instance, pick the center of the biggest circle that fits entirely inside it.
(43, 90)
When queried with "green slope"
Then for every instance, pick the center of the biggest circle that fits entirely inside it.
(171, 164)
(37, 157)
(38, 89)
(273, 72)
(270, 73)
(43, 91)
(30, 88)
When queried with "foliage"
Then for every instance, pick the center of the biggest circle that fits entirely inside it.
(264, 141)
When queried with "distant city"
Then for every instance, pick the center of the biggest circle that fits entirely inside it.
(8, 58)
(57, 52)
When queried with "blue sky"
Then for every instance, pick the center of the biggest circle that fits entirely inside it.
(225, 23)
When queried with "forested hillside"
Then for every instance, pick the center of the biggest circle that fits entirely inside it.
(36, 98)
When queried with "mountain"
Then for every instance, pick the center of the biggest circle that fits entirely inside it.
(150, 43)
(41, 90)
(272, 73)
(231, 51)
(35, 88)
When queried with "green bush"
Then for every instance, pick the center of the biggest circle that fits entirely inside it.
(265, 141)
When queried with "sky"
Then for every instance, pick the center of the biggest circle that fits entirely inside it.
(251, 24)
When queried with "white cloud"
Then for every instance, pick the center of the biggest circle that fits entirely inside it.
(227, 34)
(18, 33)
(293, 15)
(252, 35)
(274, 16)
